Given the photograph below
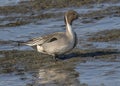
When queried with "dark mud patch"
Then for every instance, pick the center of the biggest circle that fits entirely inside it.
(15, 23)
(4, 42)
(106, 36)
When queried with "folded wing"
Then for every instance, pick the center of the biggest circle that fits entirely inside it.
(44, 39)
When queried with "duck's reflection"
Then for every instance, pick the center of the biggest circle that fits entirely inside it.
(54, 77)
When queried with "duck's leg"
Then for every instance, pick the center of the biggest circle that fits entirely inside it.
(55, 57)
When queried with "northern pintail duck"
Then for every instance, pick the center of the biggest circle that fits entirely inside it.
(57, 43)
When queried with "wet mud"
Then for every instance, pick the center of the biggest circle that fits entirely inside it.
(106, 36)
(46, 71)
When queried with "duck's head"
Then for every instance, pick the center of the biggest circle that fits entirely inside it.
(70, 16)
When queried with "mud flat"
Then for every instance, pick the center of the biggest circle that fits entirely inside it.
(43, 68)
(95, 61)
(38, 69)
(106, 36)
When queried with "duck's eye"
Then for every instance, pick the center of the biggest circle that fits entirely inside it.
(73, 13)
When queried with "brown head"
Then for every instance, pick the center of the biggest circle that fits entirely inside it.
(70, 16)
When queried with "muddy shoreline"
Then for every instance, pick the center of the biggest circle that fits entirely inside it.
(20, 62)
(37, 69)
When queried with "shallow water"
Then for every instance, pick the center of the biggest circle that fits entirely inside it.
(14, 80)
(99, 73)
(10, 2)
(51, 77)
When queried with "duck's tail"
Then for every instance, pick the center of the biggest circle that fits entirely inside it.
(19, 43)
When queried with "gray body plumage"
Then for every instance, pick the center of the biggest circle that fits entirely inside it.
(59, 42)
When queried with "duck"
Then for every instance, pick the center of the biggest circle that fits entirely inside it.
(57, 43)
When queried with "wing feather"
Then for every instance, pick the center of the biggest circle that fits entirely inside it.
(44, 39)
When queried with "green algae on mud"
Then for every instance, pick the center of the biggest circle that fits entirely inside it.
(106, 36)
